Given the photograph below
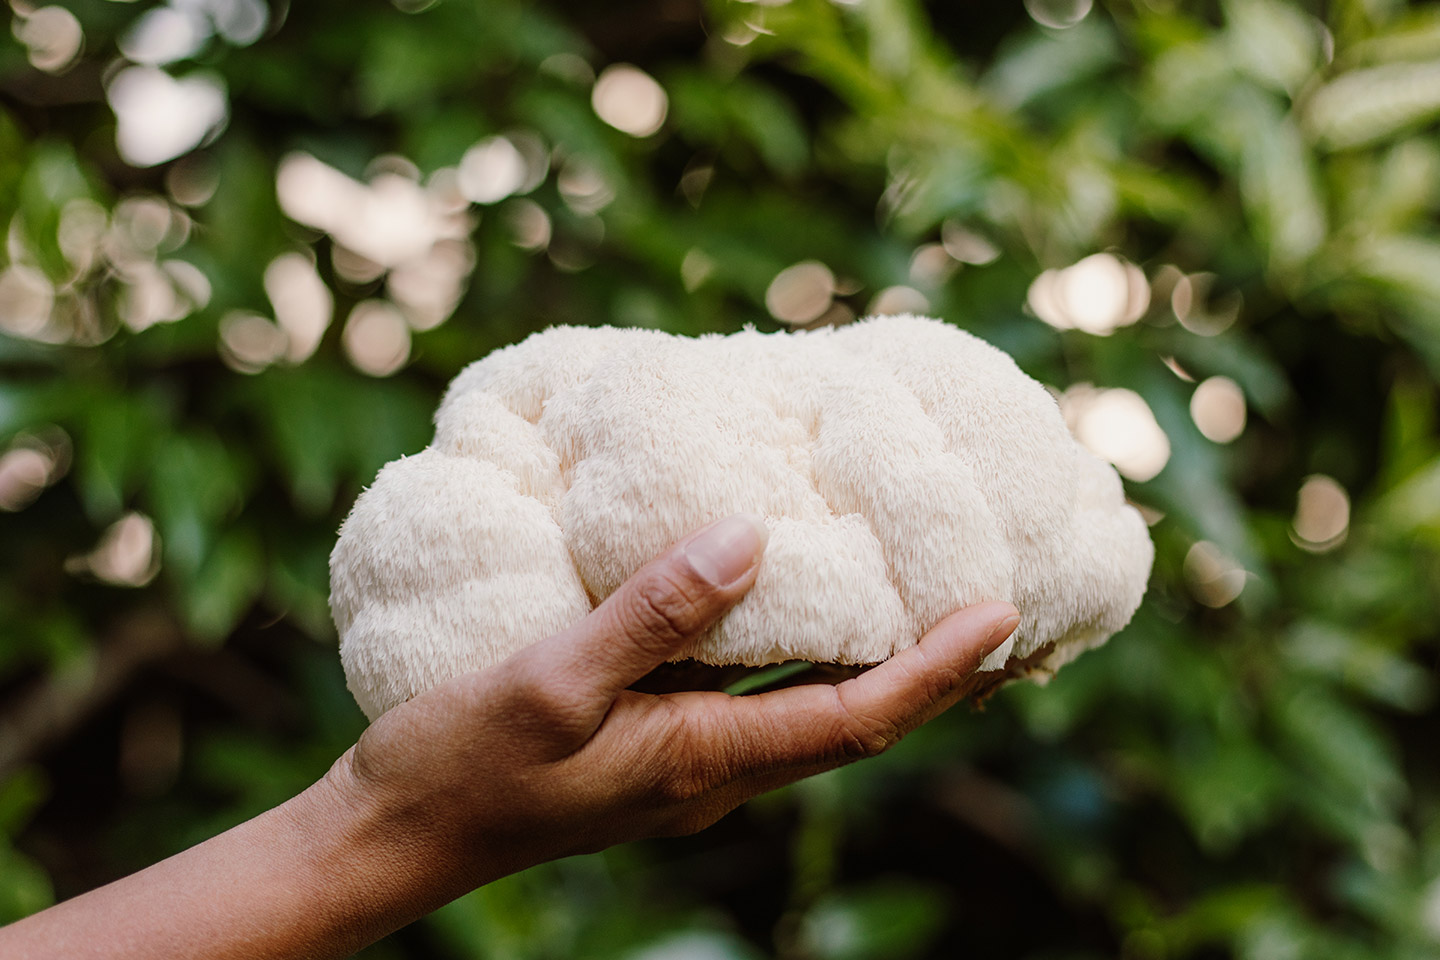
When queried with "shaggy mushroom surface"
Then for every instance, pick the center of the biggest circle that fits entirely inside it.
(903, 467)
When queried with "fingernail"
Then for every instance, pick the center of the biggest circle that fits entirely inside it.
(1002, 630)
(725, 552)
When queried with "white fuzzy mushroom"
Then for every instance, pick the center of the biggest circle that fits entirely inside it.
(904, 469)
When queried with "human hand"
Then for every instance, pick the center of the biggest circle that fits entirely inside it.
(544, 755)
(550, 754)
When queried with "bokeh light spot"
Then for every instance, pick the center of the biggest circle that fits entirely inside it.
(52, 37)
(354, 268)
(1058, 14)
(491, 170)
(1097, 295)
(1175, 367)
(148, 295)
(395, 222)
(966, 245)
(376, 338)
(249, 342)
(240, 22)
(128, 554)
(695, 181)
(190, 283)
(800, 293)
(1218, 408)
(696, 268)
(931, 265)
(384, 223)
(1214, 579)
(536, 154)
(81, 231)
(530, 226)
(312, 192)
(23, 474)
(584, 188)
(1322, 514)
(898, 300)
(33, 461)
(26, 299)
(570, 67)
(143, 222)
(1190, 301)
(302, 303)
(163, 35)
(192, 180)
(158, 117)
(429, 288)
(630, 100)
(1118, 426)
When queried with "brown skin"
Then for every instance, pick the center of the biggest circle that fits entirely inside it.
(543, 756)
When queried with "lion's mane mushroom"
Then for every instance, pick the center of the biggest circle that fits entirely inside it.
(904, 469)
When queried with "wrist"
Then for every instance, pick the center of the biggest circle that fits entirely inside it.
(376, 859)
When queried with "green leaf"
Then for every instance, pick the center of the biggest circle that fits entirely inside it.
(52, 179)
(1348, 761)
(1365, 106)
(115, 446)
(194, 485)
(1274, 42)
(1041, 63)
(771, 124)
(25, 888)
(224, 587)
(21, 795)
(888, 920)
(1227, 789)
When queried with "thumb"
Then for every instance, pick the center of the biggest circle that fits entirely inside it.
(659, 611)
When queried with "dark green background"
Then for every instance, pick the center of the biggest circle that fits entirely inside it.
(1257, 780)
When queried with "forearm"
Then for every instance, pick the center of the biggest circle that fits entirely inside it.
(319, 876)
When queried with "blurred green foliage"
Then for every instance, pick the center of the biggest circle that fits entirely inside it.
(1246, 775)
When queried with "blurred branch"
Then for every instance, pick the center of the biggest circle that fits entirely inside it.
(62, 701)
(227, 678)
(994, 809)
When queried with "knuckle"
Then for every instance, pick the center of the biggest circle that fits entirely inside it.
(682, 788)
(860, 737)
(664, 610)
(680, 777)
(938, 683)
(928, 679)
(547, 700)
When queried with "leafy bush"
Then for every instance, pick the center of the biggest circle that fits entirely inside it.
(247, 245)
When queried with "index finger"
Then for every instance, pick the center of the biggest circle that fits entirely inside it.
(814, 726)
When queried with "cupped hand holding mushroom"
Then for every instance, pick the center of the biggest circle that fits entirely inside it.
(549, 753)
